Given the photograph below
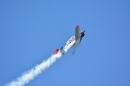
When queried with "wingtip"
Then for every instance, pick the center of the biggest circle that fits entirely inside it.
(77, 26)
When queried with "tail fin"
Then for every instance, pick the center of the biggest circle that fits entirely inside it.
(56, 50)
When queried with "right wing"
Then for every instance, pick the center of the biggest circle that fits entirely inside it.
(77, 32)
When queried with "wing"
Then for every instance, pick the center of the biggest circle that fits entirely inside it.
(75, 47)
(77, 32)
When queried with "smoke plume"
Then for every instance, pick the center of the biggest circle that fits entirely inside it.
(32, 73)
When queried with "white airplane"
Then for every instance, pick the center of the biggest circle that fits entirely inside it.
(74, 41)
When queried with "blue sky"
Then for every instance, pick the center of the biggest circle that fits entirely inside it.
(30, 30)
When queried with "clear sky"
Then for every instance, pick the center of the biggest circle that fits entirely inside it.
(31, 29)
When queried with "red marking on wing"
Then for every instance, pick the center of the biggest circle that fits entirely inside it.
(77, 26)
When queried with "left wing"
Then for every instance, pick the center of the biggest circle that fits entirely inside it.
(75, 47)
(77, 32)
(77, 36)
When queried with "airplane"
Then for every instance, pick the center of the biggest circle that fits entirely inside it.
(74, 41)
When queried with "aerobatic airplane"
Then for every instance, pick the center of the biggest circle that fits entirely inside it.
(74, 41)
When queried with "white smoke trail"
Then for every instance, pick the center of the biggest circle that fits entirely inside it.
(31, 74)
